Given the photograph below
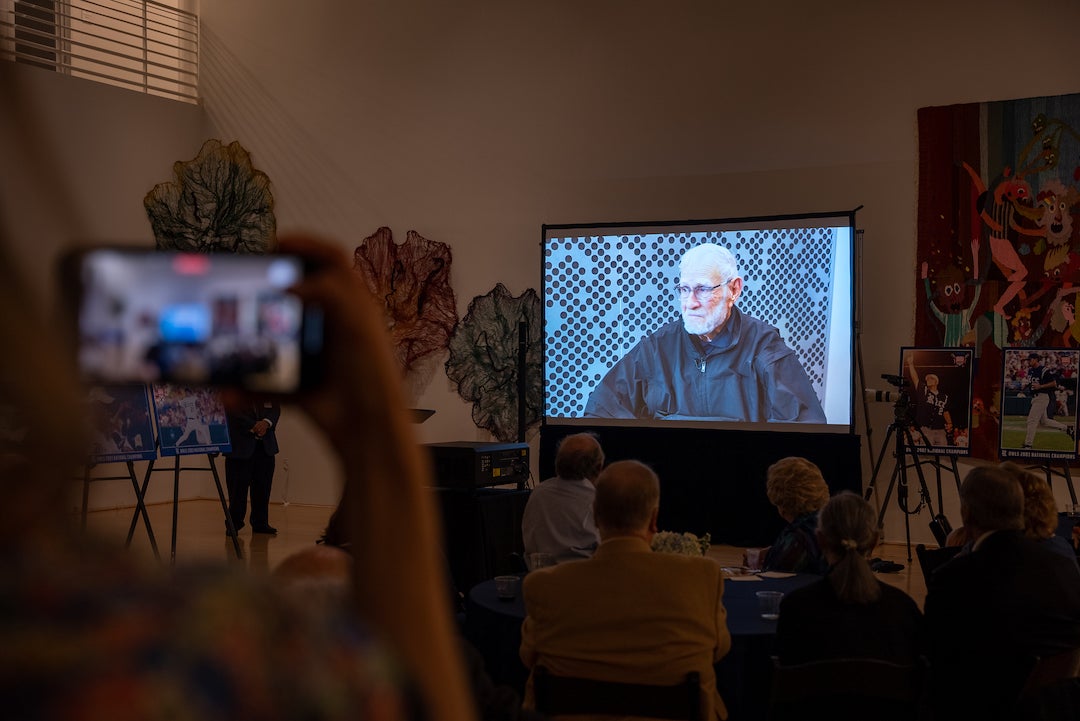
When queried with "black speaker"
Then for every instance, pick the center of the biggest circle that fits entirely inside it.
(481, 532)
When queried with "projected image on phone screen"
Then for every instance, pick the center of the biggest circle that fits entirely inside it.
(185, 318)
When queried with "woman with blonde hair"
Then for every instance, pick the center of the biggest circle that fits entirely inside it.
(1040, 515)
(1040, 510)
(849, 613)
(798, 490)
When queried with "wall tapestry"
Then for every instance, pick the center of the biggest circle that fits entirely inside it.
(413, 281)
(998, 254)
(218, 202)
(484, 360)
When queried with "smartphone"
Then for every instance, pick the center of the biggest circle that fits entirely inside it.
(147, 316)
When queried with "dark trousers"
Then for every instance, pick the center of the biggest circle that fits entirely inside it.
(257, 474)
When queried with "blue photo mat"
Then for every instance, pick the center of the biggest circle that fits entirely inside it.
(190, 420)
(120, 424)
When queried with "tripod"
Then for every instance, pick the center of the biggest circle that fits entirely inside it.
(900, 431)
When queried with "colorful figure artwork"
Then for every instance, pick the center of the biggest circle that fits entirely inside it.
(484, 356)
(998, 254)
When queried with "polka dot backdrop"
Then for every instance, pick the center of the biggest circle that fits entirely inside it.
(605, 293)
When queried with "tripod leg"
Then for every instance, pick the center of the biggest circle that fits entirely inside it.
(877, 467)
(888, 493)
(923, 489)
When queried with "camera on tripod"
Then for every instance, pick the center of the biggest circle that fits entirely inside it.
(899, 397)
(899, 381)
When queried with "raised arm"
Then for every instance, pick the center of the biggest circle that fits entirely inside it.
(387, 505)
(912, 373)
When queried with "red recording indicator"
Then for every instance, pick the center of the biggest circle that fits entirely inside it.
(191, 264)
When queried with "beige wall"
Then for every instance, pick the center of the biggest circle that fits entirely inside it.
(475, 122)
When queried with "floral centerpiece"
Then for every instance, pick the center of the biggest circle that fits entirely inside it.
(686, 544)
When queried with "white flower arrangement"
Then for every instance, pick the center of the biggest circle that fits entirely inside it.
(686, 544)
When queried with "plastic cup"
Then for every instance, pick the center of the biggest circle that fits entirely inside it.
(506, 587)
(540, 560)
(769, 604)
(754, 557)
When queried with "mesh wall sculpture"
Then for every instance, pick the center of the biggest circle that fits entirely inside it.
(484, 360)
(218, 202)
(413, 282)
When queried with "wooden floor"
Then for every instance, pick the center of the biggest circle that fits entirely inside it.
(200, 537)
(200, 533)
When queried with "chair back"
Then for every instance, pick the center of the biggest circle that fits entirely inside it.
(931, 558)
(1052, 689)
(847, 688)
(558, 695)
(1051, 669)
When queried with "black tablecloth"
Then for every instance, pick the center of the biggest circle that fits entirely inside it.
(493, 625)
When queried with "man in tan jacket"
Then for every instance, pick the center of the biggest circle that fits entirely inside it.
(628, 614)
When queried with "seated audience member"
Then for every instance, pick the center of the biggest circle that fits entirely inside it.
(628, 614)
(211, 643)
(991, 611)
(1040, 511)
(319, 577)
(558, 517)
(849, 613)
(1040, 515)
(798, 490)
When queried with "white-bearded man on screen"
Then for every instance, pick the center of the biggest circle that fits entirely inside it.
(716, 363)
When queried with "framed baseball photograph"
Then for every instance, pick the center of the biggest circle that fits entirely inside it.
(938, 384)
(1038, 403)
(121, 428)
(190, 420)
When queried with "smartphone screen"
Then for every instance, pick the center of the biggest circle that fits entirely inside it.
(151, 316)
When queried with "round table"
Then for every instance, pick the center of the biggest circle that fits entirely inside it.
(493, 625)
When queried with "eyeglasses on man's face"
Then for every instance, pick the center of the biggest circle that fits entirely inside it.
(701, 292)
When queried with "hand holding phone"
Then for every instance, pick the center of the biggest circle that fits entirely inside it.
(150, 316)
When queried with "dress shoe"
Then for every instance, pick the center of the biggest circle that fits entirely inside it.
(237, 526)
(264, 529)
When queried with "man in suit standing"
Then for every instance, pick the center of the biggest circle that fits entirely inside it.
(250, 465)
(991, 611)
(628, 614)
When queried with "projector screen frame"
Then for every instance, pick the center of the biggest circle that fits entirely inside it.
(841, 291)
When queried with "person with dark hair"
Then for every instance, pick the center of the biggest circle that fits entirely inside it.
(1043, 382)
(250, 464)
(558, 518)
(992, 611)
(798, 490)
(849, 613)
(933, 419)
(628, 614)
(715, 362)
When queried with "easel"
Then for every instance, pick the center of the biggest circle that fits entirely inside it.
(1064, 473)
(952, 468)
(212, 467)
(140, 506)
